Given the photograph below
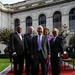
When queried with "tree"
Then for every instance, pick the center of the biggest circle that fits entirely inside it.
(5, 35)
(64, 31)
(72, 40)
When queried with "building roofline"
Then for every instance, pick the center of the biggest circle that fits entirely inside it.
(29, 7)
(43, 5)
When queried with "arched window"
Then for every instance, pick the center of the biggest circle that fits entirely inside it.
(57, 20)
(28, 23)
(16, 23)
(42, 20)
(72, 19)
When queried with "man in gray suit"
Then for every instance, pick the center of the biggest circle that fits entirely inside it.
(40, 51)
(17, 47)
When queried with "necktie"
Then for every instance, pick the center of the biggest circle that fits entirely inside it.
(54, 39)
(39, 43)
(31, 36)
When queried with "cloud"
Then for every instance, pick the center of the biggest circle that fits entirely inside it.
(10, 1)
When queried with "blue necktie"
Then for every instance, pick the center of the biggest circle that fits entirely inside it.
(39, 43)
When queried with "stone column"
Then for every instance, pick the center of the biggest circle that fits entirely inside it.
(35, 24)
(65, 19)
(49, 23)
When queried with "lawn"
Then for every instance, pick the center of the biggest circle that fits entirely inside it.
(72, 63)
(4, 63)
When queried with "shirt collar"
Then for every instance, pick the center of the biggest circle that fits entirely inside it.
(40, 35)
(18, 33)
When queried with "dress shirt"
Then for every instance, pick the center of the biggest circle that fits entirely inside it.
(20, 35)
(31, 35)
(54, 39)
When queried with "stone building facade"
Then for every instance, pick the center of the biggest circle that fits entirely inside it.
(48, 13)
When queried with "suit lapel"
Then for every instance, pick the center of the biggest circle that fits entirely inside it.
(42, 40)
(37, 40)
(18, 37)
(54, 42)
(29, 37)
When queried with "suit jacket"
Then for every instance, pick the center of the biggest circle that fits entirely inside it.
(57, 47)
(45, 46)
(16, 44)
(27, 43)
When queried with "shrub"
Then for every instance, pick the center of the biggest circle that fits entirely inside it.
(72, 40)
(5, 35)
(4, 55)
(72, 55)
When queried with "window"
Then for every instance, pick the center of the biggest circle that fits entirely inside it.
(42, 20)
(28, 23)
(57, 20)
(72, 20)
(16, 23)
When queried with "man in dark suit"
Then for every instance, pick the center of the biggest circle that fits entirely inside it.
(40, 51)
(17, 47)
(27, 44)
(57, 49)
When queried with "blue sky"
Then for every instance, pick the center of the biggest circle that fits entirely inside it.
(10, 1)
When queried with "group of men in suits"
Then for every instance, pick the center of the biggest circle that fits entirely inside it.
(37, 49)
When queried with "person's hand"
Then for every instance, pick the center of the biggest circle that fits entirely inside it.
(14, 54)
(61, 55)
(47, 59)
(49, 56)
(32, 56)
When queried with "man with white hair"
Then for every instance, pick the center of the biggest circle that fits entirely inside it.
(17, 49)
(57, 50)
(27, 44)
(40, 51)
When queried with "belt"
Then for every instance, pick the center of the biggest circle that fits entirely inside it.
(39, 50)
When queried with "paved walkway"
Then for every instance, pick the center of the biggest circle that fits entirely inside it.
(5, 71)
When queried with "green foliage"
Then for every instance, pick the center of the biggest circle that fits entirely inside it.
(63, 31)
(5, 35)
(71, 55)
(4, 55)
(72, 40)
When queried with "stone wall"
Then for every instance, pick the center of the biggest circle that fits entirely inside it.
(48, 11)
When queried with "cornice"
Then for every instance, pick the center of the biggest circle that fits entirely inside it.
(37, 5)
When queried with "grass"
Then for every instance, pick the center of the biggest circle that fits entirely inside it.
(72, 62)
(4, 63)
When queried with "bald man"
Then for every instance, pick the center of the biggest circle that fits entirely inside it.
(40, 51)
(57, 49)
(17, 49)
(27, 44)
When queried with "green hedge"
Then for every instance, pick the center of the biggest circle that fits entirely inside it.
(4, 55)
(72, 55)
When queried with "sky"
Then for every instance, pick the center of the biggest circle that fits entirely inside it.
(10, 1)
